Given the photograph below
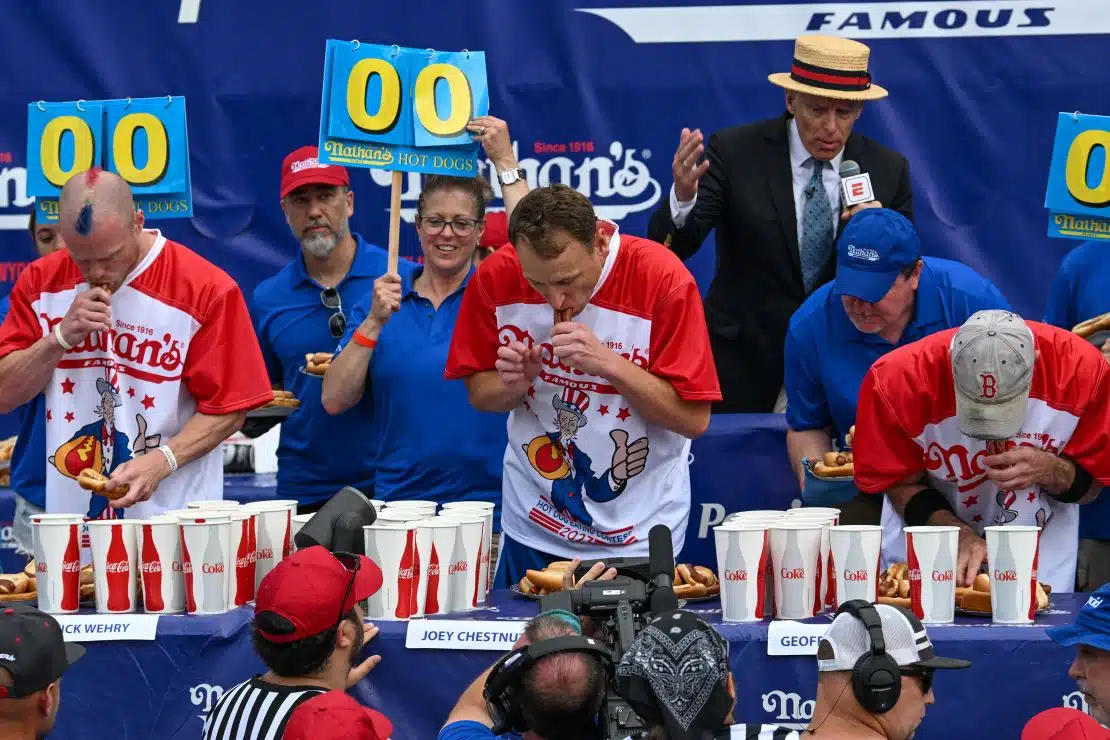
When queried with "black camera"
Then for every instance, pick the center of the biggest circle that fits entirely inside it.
(620, 608)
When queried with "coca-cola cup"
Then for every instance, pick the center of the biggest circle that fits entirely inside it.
(56, 541)
(243, 547)
(811, 510)
(1012, 553)
(273, 529)
(224, 504)
(392, 547)
(743, 554)
(161, 565)
(436, 540)
(412, 504)
(402, 515)
(854, 557)
(206, 555)
(825, 574)
(931, 554)
(795, 552)
(299, 520)
(115, 561)
(755, 514)
(486, 514)
(465, 570)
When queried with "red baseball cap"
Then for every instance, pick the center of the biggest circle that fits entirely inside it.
(1062, 723)
(496, 234)
(303, 167)
(306, 589)
(336, 716)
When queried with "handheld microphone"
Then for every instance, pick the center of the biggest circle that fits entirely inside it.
(661, 566)
(855, 186)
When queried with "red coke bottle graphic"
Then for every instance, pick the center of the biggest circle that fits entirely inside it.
(431, 603)
(404, 578)
(287, 540)
(71, 571)
(244, 565)
(152, 572)
(478, 566)
(414, 588)
(187, 566)
(118, 573)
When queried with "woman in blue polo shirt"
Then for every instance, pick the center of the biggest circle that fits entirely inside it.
(433, 443)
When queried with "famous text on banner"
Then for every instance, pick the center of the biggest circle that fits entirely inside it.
(1078, 193)
(401, 109)
(143, 140)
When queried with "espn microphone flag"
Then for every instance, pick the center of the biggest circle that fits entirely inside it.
(855, 187)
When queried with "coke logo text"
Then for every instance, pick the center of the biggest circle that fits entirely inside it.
(855, 575)
(736, 575)
(177, 566)
(266, 553)
(69, 566)
(942, 576)
(433, 570)
(915, 574)
(792, 574)
(188, 569)
(41, 567)
(119, 566)
(243, 562)
(212, 568)
(459, 567)
(152, 566)
(405, 574)
(1005, 575)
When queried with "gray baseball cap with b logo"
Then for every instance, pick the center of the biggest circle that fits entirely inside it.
(992, 365)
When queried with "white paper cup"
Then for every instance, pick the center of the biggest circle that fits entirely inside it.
(795, 556)
(392, 548)
(378, 504)
(115, 557)
(854, 561)
(464, 505)
(273, 530)
(486, 516)
(161, 566)
(808, 510)
(299, 520)
(755, 513)
(439, 535)
(743, 553)
(403, 515)
(931, 555)
(412, 502)
(465, 570)
(825, 574)
(1012, 552)
(224, 504)
(243, 549)
(206, 552)
(56, 542)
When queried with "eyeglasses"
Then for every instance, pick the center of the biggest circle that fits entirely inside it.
(351, 562)
(460, 226)
(924, 675)
(337, 322)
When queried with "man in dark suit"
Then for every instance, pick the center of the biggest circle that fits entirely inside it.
(771, 191)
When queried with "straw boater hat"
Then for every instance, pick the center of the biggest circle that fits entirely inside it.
(830, 67)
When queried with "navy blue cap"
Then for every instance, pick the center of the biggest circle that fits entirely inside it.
(874, 247)
(1091, 626)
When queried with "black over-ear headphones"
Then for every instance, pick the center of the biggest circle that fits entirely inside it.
(876, 679)
(504, 678)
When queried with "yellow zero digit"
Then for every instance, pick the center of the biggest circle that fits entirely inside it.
(461, 100)
(157, 149)
(50, 149)
(1075, 173)
(389, 107)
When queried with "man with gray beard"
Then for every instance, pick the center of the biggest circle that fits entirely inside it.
(301, 311)
(1090, 635)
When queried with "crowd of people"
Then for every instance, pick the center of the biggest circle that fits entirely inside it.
(561, 372)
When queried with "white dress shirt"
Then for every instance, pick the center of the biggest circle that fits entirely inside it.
(802, 169)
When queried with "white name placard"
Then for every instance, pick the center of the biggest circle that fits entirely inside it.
(107, 627)
(462, 634)
(793, 638)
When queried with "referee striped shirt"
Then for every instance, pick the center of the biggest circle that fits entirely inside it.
(256, 710)
(762, 732)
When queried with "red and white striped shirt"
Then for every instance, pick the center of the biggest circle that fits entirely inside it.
(906, 426)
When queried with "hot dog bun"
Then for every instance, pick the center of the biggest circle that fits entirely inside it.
(1091, 326)
(690, 591)
(701, 574)
(29, 569)
(526, 586)
(16, 583)
(982, 583)
(549, 580)
(976, 601)
(97, 482)
(895, 601)
(684, 574)
(821, 470)
(1042, 598)
(559, 565)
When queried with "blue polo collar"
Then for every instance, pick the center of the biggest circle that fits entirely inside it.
(362, 266)
(408, 282)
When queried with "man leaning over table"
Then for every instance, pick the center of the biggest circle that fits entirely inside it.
(304, 309)
(1003, 421)
(1089, 634)
(886, 295)
(1081, 291)
(144, 351)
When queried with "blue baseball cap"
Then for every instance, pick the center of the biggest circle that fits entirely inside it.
(1091, 626)
(875, 246)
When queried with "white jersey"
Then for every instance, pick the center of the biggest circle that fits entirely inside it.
(566, 490)
(182, 342)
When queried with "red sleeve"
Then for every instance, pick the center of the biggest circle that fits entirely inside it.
(21, 328)
(1089, 445)
(680, 350)
(474, 342)
(884, 453)
(224, 369)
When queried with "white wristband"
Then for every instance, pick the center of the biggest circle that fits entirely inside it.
(170, 458)
(58, 335)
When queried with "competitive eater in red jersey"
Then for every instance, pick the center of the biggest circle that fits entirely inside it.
(1002, 421)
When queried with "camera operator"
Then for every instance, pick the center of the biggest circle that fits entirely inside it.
(557, 698)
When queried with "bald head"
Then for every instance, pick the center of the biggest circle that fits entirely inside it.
(562, 692)
(90, 199)
(101, 227)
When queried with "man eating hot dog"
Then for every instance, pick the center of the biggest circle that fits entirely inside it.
(1003, 421)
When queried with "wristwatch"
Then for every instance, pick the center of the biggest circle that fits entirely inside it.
(508, 177)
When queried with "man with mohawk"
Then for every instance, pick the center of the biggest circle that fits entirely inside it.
(125, 314)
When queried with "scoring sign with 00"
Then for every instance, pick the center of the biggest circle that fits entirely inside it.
(1078, 193)
(143, 140)
(402, 109)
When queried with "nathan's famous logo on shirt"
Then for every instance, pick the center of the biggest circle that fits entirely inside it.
(615, 178)
(957, 465)
(156, 355)
(509, 333)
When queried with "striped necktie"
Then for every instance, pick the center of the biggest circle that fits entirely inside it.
(817, 228)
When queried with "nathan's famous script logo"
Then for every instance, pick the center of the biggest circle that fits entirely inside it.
(206, 696)
(958, 465)
(130, 344)
(509, 333)
(616, 180)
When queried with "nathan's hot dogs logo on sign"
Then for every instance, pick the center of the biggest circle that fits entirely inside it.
(401, 109)
(1078, 195)
(143, 140)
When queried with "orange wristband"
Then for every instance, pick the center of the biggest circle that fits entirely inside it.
(363, 340)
